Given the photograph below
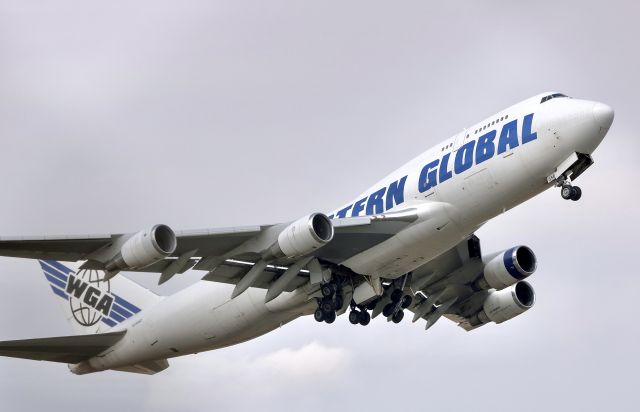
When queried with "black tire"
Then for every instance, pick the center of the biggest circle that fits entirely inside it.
(326, 290)
(354, 317)
(396, 295)
(330, 317)
(397, 318)
(566, 192)
(334, 287)
(318, 315)
(364, 318)
(576, 193)
(388, 310)
(327, 306)
(406, 301)
(371, 305)
(339, 302)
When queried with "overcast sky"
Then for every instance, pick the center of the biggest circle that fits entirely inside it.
(118, 115)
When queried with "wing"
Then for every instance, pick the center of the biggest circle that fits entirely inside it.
(227, 253)
(471, 289)
(73, 248)
(444, 286)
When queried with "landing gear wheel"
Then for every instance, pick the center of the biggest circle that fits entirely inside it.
(364, 318)
(318, 315)
(354, 317)
(326, 290)
(327, 306)
(396, 295)
(371, 305)
(388, 309)
(406, 301)
(330, 317)
(397, 318)
(339, 302)
(576, 193)
(566, 192)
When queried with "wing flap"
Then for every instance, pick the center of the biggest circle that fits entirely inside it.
(64, 349)
(231, 271)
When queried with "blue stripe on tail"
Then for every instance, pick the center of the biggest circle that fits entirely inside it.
(53, 271)
(59, 292)
(125, 304)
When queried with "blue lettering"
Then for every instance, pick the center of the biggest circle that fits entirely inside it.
(428, 176)
(485, 147)
(343, 212)
(358, 207)
(396, 193)
(464, 157)
(508, 136)
(375, 204)
(445, 174)
(527, 136)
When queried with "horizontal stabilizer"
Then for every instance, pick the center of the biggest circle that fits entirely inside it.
(65, 349)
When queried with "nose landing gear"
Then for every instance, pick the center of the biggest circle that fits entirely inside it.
(569, 192)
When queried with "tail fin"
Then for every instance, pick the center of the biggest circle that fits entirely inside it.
(92, 304)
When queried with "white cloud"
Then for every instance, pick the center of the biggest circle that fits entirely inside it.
(236, 380)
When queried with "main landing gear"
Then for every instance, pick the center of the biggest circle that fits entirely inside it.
(394, 310)
(360, 314)
(393, 299)
(332, 300)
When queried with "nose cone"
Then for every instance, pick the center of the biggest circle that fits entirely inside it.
(603, 115)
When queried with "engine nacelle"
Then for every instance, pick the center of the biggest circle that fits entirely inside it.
(507, 303)
(144, 248)
(303, 236)
(507, 268)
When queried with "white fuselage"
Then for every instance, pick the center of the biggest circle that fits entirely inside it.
(456, 187)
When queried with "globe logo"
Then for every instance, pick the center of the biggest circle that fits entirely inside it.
(84, 314)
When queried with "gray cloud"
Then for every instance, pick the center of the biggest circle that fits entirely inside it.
(116, 116)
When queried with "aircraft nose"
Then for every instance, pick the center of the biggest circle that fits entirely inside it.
(603, 115)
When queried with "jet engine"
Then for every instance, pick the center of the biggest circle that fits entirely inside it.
(506, 304)
(507, 268)
(303, 236)
(144, 248)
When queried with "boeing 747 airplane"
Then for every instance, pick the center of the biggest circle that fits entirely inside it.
(405, 244)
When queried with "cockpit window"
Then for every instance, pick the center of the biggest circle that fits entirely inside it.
(552, 96)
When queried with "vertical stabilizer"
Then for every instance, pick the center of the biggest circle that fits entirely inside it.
(92, 304)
